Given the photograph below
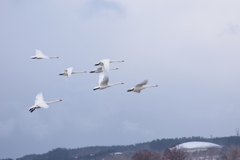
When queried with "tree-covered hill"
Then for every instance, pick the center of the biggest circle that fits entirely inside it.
(123, 151)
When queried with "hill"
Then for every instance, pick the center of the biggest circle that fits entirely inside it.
(124, 151)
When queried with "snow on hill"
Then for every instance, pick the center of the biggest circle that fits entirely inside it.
(198, 146)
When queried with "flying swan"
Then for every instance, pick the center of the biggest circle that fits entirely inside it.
(69, 71)
(99, 70)
(40, 103)
(106, 63)
(103, 82)
(139, 87)
(40, 55)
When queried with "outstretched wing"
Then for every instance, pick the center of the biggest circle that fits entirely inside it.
(106, 65)
(39, 98)
(69, 71)
(101, 76)
(104, 79)
(40, 54)
(142, 83)
(137, 91)
(99, 70)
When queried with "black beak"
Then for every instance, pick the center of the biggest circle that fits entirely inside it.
(91, 72)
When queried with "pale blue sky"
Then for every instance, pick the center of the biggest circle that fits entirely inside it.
(190, 49)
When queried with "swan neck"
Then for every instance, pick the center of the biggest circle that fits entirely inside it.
(150, 86)
(78, 72)
(53, 101)
(114, 84)
(113, 69)
(53, 57)
(116, 61)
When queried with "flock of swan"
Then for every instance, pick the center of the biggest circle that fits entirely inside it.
(103, 79)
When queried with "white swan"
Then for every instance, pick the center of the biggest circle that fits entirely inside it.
(69, 71)
(103, 82)
(106, 63)
(140, 87)
(40, 103)
(40, 55)
(99, 70)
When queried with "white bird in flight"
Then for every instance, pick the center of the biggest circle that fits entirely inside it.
(99, 70)
(139, 87)
(40, 103)
(106, 63)
(40, 55)
(103, 82)
(69, 71)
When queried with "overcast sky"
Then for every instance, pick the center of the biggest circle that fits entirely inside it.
(190, 49)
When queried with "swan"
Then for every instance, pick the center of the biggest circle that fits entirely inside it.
(106, 63)
(69, 71)
(99, 70)
(103, 82)
(40, 103)
(139, 87)
(40, 55)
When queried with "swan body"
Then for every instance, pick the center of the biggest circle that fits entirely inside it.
(40, 103)
(103, 82)
(99, 70)
(139, 87)
(69, 71)
(40, 55)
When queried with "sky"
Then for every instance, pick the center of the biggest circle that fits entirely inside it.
(190, 49)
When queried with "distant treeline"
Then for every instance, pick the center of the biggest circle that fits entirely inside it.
(96, 152)
(167, 143)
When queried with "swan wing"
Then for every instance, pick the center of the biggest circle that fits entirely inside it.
(69, 71)
(138, 91)
(106, 65)
(101, 76)
(40, 54)
(103, 79)
(39, 98)
(99, 70)
(142, 83)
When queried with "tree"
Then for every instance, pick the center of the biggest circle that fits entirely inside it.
(175, 154)
(147, 155)
(231, 153)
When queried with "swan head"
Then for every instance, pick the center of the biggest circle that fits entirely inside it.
(33, 57)
(121, 83)
(61, 74)
(96, 88)
(130, 90)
